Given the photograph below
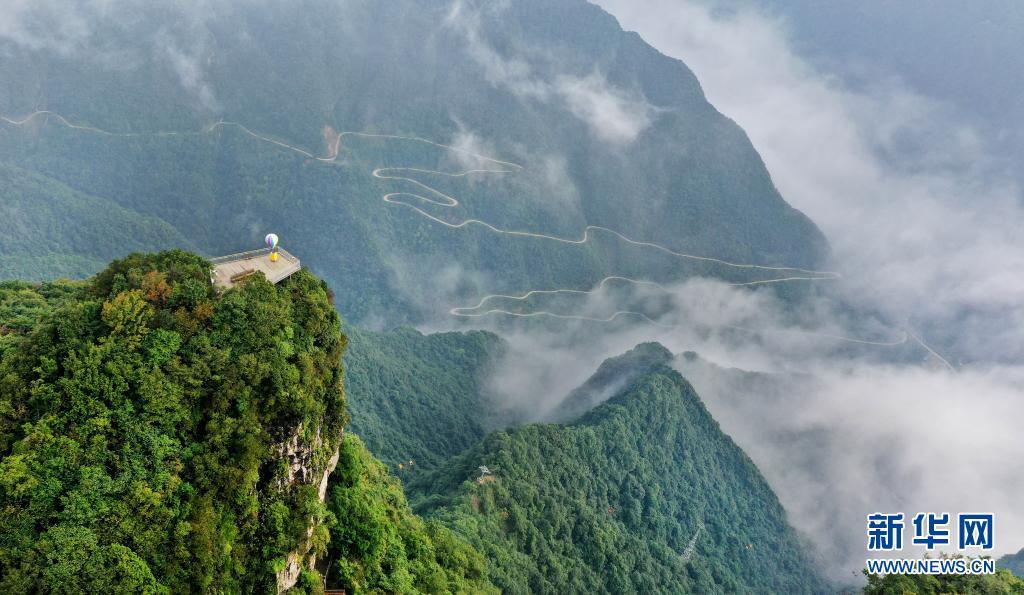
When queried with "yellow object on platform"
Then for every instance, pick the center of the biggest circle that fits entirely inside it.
(273, 256)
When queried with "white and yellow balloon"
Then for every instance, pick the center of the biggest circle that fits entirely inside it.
(272, 242)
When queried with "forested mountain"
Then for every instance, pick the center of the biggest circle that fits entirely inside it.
(613, 375)
(158, 435)
(414, 393)
(1014, 563)
(52, 231)
(208, 121)
(418, 398)
(643, 494)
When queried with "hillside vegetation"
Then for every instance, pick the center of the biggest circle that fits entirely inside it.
(300, 74)
(643, 494)
(614, 374)
(157, 435)
(379, 546)
(52, 231)
(418, 398)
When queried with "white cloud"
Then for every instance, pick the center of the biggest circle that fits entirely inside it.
(836, 428)
(96, 31)
(923, 225)
(188, 66)
(613, 115)
(50, 24)
(848, 442)
(468, 149)
(513, 74)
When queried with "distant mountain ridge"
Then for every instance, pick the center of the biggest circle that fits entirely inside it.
(642, 494)
(607, 132)
(613, 375)
(52, 231)
(1014, 563)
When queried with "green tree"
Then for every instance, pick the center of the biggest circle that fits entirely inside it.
(379, 546)
(139, 416)
(144, 422)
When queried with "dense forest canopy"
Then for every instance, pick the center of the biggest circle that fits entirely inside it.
(643, 494)
(139, 416)
(144, 417)
(417, 400)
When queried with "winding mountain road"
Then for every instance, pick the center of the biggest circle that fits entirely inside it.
(492, 166)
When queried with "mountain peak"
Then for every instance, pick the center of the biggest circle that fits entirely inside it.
(647, 479)
(614, 374)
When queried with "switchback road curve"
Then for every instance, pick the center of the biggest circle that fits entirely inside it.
(428, 195)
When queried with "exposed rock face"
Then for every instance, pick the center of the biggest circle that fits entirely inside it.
(301, 457)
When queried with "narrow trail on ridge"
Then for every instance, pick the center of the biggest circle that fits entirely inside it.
(492, 166)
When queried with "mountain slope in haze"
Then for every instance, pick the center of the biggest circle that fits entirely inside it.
(964, 54)
(591, 127)
(416, 397)
(160, 435)
(642, 494)
(613, 375)
(1014, 563)
(52, 231)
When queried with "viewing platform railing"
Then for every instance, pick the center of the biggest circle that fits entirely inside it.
(232, 268)
(241, 255)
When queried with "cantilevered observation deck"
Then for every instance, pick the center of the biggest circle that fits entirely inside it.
(229, 270)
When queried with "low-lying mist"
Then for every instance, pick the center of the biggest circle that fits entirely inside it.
(839, 429)
(899, 387)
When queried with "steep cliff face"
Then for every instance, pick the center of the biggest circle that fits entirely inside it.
(159, 435)
(300, 468)
(156, 433)
(379, 546)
